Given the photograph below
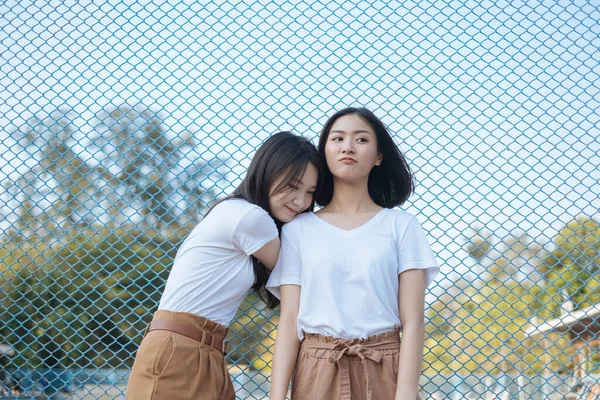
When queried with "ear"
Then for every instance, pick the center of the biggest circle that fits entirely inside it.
(379, 159)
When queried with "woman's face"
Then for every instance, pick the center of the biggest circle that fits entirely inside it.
(351, 149)
(296, 197)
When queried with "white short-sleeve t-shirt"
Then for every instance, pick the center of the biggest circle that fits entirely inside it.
(213, 270)
(349, 279)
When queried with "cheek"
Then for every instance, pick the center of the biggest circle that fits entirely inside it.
(330, 154)
(371, 152)
(278, 199)
(273, 201)
(330, 147)
(309, 201)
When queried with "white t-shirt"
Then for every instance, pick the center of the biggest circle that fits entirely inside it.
(349, 279)
(213, 270)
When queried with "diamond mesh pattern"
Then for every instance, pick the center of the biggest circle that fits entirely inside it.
(123, 121)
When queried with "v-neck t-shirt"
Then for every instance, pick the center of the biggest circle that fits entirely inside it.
(349, 278)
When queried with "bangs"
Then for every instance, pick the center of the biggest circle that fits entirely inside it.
(293, 173)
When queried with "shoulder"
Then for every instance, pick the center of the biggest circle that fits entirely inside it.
(238, 208)
(302, 218)
(299, 223)
(400, 223)
(400, 216)
(238, 213)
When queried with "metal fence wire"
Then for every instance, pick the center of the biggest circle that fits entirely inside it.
(123, 120)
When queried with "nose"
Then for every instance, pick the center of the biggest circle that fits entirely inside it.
(348, 147)
(299, 201)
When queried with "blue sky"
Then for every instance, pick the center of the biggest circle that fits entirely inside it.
(495, 104)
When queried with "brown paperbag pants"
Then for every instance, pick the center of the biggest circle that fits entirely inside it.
(172, 366)
(342, 369)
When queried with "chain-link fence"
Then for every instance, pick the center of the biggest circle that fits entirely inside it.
(122, 120)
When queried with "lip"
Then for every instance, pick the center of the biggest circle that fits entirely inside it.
(291, 210)
(347, 160)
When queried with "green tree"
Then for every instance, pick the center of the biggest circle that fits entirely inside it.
(87, 302)
(573, 267)
(479, 325)
(154, 172)
(61, 189)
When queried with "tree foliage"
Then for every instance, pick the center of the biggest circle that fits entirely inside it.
(480, 327)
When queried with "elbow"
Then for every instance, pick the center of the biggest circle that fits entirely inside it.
(412, 319)
(288, 331)
(288, 321)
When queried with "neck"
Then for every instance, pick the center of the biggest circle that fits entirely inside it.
(351, 198)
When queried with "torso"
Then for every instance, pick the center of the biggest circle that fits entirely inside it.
(347, 221)
(349, 273)
(212, 272)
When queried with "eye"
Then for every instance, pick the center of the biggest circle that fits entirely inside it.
(310, 193)
(362, 140)
(292, 186)
(336, 139)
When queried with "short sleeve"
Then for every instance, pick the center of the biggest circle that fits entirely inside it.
(287, 271)
(414, 252)
(255, 229)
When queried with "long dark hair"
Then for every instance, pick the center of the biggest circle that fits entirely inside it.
(391, 183)
(282, 153)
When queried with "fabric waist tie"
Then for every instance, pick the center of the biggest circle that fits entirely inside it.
(341, 349)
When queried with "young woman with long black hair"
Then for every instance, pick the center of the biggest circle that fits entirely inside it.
(232, 250)
(353, 274)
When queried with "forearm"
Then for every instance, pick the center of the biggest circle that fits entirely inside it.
(411, 359)
(284, 358)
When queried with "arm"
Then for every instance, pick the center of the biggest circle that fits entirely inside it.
(411, 298)
(286, 343)
(257, 235)
(269, 253)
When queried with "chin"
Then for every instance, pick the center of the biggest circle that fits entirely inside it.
(345, 173)
(285, 218)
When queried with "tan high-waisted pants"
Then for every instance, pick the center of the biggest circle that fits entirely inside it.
(171, 366)
(343, 369)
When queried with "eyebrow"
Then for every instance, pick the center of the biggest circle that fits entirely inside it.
(360, 131)
(297, 182)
